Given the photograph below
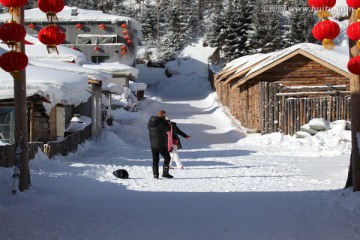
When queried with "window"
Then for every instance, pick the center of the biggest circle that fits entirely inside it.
(7, 125)
(99, 59)
(95, 39)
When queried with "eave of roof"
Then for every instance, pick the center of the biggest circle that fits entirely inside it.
(286, 57)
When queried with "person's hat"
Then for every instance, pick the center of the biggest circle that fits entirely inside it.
(161, 114)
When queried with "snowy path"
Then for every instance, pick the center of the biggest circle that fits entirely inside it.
(234, 186)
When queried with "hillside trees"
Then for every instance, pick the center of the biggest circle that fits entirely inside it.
(236, 27)
(300, 25)
(235, 34)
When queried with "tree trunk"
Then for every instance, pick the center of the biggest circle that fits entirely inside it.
(354, 169)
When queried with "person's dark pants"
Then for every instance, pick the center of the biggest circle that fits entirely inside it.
(156, 156)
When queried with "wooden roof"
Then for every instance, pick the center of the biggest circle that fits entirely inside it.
(276, 62)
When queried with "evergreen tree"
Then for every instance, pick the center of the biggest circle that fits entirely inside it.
(236, 33)
(85, 4)
(214, 31)
(176, 37)
(148, 20)
(266, 30)
(301, 24)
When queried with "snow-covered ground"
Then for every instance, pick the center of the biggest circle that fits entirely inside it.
(234, 186)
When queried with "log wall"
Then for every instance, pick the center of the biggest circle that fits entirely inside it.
(287, 96)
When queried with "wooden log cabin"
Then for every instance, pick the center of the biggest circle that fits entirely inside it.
(281, 91)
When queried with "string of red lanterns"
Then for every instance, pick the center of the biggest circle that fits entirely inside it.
(125, 31)
(12, 33)
(354, 34)
(51, 8)
(51, 35)
(102, 26)
(13, 5)
(326, 30)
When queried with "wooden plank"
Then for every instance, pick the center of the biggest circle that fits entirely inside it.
(276, 107)
(262, 107)
(271, 109)
(266, 107)
(302, 88)
(290, 115)
(285, 115)
(297, 127)
(305, 94)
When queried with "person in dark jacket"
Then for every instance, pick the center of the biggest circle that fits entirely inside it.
(158, 128)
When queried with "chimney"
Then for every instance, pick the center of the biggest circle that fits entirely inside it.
(74, 11)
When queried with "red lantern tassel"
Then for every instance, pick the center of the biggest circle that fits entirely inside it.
(323, 14)
(328, 44)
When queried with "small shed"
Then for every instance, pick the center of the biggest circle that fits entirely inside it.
(47, 89)
(281, 91)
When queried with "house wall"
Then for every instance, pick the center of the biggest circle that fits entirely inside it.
(246, 101)
(107, 51)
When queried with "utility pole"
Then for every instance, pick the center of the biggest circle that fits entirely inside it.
(20, 105)
(354, 169)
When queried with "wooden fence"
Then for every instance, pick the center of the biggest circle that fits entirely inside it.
(286, 108)
(63, 147)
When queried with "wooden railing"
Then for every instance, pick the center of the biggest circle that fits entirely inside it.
(52, 148)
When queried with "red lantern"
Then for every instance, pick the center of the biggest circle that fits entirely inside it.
(51, 36)
(13, 62)
(356, 5)
(79, 26)
(353, 32)
(125, 31)
(128, 42)
(322, 6)
(97, 48)
(13, 5)
(102, 26)
(126, 37)
(123, 47)
(51, 7)
(11, 33)
(325, 31)
(123, 25)
(353, 3)
(31, 26)
(354, 65)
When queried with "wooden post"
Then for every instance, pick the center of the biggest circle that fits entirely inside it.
(20, 105)
(355, 116)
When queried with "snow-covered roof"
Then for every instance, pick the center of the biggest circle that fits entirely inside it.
(39, 52)
(55, 85)
(114, 88)
(134, 86)
(75, 68)
(336, 59)
(83, 15)
(114, 68)
(242, 65)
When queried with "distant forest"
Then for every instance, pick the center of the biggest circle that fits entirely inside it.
(236, 27)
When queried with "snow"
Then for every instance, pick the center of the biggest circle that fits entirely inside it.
(234, 186)
(338, 57)
(84, 15)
